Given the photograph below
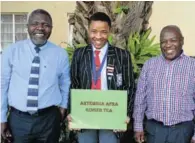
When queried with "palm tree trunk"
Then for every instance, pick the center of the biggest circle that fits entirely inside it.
(127, 17)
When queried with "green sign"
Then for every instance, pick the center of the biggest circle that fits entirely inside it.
(96, 109)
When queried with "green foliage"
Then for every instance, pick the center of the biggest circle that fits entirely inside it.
(70, 50)
(142, 48)
(110, 39)
(121, 9)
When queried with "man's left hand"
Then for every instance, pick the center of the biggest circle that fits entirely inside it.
(62, 112)
(127, 121)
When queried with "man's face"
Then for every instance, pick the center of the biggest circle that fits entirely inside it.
(98, 33)
(39, 28)
(171, 42)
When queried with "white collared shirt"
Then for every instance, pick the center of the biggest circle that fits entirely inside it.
(103, 50)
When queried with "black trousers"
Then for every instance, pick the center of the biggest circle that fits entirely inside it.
(43, 127)
(179, 133)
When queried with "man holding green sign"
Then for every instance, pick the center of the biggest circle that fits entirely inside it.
(101, 68)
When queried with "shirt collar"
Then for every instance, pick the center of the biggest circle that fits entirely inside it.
(180, 56)
(102, 50)
(33, 45)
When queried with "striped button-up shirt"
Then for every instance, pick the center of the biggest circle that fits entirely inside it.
(165, 91)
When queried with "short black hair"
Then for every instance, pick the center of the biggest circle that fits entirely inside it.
(175, 27)
(40, 11)
(100, 16)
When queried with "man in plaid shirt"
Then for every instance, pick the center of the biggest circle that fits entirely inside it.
(166, 93)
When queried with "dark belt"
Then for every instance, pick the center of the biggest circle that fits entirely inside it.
(171, 126)
(38, 113)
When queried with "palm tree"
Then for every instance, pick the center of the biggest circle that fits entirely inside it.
(127, 17)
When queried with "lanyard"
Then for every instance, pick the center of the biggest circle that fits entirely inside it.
(96, 74)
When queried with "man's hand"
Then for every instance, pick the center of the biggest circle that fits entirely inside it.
(192, 141)
(139, 137)
(5, 132)
(69, 118)
(127, 121)
(62, 112)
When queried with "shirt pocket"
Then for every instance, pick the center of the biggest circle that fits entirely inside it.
(49, 73)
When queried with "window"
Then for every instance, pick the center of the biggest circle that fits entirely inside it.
(13, 28)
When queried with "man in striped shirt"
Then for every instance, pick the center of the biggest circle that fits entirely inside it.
(165, 93)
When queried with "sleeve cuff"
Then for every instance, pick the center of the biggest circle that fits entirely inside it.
(64, 103)
(138, 126)
(3, 116)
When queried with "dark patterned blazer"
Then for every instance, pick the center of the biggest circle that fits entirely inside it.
(81, 71)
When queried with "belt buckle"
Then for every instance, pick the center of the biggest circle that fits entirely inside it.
(173, 126)
(33, 113)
